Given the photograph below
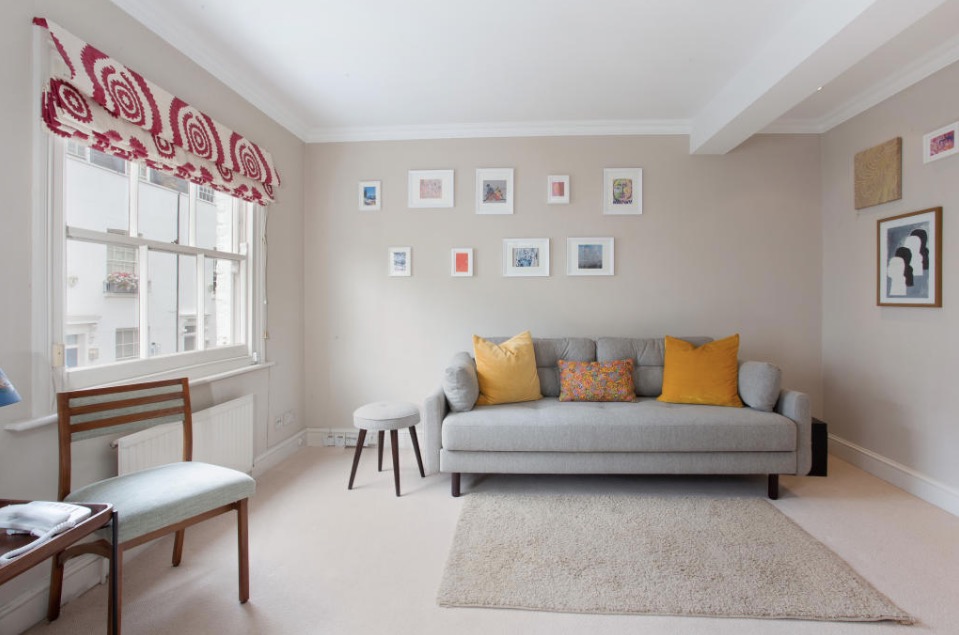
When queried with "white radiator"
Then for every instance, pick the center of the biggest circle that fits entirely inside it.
(222, 435)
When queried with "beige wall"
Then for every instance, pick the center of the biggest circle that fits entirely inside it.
(28, 460)
(889, 373)
(726, 244)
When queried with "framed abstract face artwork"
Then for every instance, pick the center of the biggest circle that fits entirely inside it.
(909, 264)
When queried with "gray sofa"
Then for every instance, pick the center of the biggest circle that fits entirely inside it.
(771, 435)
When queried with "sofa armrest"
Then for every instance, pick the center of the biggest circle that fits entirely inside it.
(435, 408)
(795, 405)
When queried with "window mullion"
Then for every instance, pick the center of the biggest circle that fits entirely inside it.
(200, 302)
(143, 274)
(133, 171)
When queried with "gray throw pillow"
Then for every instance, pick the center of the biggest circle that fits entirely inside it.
(460, 383)
(759, 384)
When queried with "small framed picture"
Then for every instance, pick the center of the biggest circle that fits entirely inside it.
(369, 196)
(623, 191)
(494, 191)
(910, 259)
(589, 256)
(940, 144)
(430, 188)
(557, 189)
(525, 257)
(461, 262)
(401, 261)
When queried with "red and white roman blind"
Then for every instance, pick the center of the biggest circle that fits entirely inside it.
(93, 99)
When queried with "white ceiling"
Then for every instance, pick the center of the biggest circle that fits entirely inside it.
(719, 71)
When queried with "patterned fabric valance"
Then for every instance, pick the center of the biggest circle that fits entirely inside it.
(99, 102)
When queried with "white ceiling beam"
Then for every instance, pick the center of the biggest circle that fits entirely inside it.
(825, 38)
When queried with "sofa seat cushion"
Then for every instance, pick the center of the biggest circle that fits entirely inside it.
(164, 495)
(646, 425)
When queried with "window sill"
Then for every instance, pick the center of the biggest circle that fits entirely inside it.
(40, 422)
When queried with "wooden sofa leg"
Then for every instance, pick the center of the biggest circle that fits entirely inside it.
(773, 486)
(455, 484)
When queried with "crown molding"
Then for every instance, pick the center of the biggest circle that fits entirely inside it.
(154, 17)
(937, 59)
(500, 129)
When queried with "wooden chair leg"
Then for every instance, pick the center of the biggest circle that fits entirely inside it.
(455, 484)
(56, 588)
(394, 446)
(178, 547)
(243, 545)
(360, 440)
(380, 437)
(416, 448)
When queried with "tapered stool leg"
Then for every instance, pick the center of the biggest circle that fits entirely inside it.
(394, 446)
(356, 456)
(416, 448)
(380, 437)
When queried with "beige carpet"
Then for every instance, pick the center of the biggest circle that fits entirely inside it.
(727, 557)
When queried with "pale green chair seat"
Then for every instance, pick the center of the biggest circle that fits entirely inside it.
(166, 495)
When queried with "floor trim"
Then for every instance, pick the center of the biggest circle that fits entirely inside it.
(903, 477)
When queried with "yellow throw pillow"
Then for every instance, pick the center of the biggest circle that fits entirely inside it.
(507, 371)
(707, 375)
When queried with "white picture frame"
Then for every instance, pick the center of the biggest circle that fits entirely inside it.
(623, 191)
(400, 262)
(940, 143)
(557, 189)
(430, 188)
(523, 257)
(461, 262)
(369, 196)
(494, 191)
(589, 257)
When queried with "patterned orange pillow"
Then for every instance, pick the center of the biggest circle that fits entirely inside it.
(596, 381)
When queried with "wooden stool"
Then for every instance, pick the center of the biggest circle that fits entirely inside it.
(382, 416)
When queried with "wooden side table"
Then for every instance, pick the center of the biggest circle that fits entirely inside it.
(102, 516)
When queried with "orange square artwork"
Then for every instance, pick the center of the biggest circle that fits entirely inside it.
(462, 262)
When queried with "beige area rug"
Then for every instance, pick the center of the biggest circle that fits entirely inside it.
(650, 556)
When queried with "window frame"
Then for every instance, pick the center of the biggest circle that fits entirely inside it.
(50, 307)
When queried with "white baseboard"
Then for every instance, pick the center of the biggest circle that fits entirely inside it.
(278, 453)
(30, 607)
(903, 477)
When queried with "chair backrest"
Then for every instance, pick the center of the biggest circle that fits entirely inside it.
(121, 409)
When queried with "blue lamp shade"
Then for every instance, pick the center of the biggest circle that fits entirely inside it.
(8, 394)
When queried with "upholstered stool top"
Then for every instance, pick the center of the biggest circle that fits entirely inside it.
(386, 415)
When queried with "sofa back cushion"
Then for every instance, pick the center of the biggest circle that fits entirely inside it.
(648, 355)
(549, 351)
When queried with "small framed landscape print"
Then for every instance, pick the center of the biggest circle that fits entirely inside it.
(430, 188)
(401, 261)
(589, 256)
(623, 191)
(525, 257)
(941, 143)
(557, 189)
(369, 196)
(461, 262)
(494, 191)
(910, 259)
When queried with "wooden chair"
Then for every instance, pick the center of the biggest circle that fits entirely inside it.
(153, 502)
